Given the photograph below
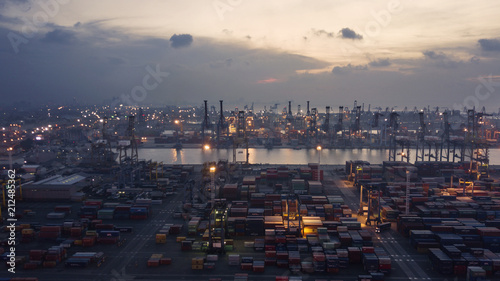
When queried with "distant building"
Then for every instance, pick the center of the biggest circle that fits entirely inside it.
(17, 161)
(41, 157)
(55, 188)
(34, 169)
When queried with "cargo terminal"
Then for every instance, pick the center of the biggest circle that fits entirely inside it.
(115, 216)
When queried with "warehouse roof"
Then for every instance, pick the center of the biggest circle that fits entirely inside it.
(60, 180)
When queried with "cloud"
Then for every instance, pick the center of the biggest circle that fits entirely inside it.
(348, 69)
(7, 19)
(440, 59)
(21, 5)
(475, 59)
(434, 55)
(322, 32)
(491, 45)
(380, 63)
(109, 62)
(181, 40)
(348, 33)
(60, 36)
(267, 81)
(221, 64)
(481, 78)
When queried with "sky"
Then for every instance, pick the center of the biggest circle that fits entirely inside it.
(392, 53)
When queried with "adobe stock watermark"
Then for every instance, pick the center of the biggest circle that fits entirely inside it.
(487, 86)
(49, 9)
(223, 6)
(381, 18)
(121, 276)
(150, 82)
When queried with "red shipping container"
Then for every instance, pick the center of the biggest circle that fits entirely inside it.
(270, 247)
(165, 261)
(270, 254)
(258, 268)
(368, 250)
(270, 261)
(30, 265)
(50, 229)
(282, 255)
(384, 266)
(246, 266)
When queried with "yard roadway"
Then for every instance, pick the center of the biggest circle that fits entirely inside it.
(403, 263)
(132, 248)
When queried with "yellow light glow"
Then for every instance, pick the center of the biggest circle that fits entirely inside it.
(319, 147)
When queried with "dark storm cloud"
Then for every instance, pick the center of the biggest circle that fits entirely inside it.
(348, 69)
(348, 33)
(322, 32)
(492, 45)
(181, 40)
(60, 36)
(380, 63)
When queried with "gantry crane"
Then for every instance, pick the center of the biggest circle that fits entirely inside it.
(241, 137)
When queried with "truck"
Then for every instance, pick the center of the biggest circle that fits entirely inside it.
(383, 226)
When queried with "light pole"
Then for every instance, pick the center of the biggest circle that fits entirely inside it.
(407, 211)
(212, 185)
(10, 157)
(177, 122)
(318, 148)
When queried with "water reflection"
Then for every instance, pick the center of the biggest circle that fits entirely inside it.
(277, 156)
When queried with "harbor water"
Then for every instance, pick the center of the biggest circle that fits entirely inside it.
(278, 156)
